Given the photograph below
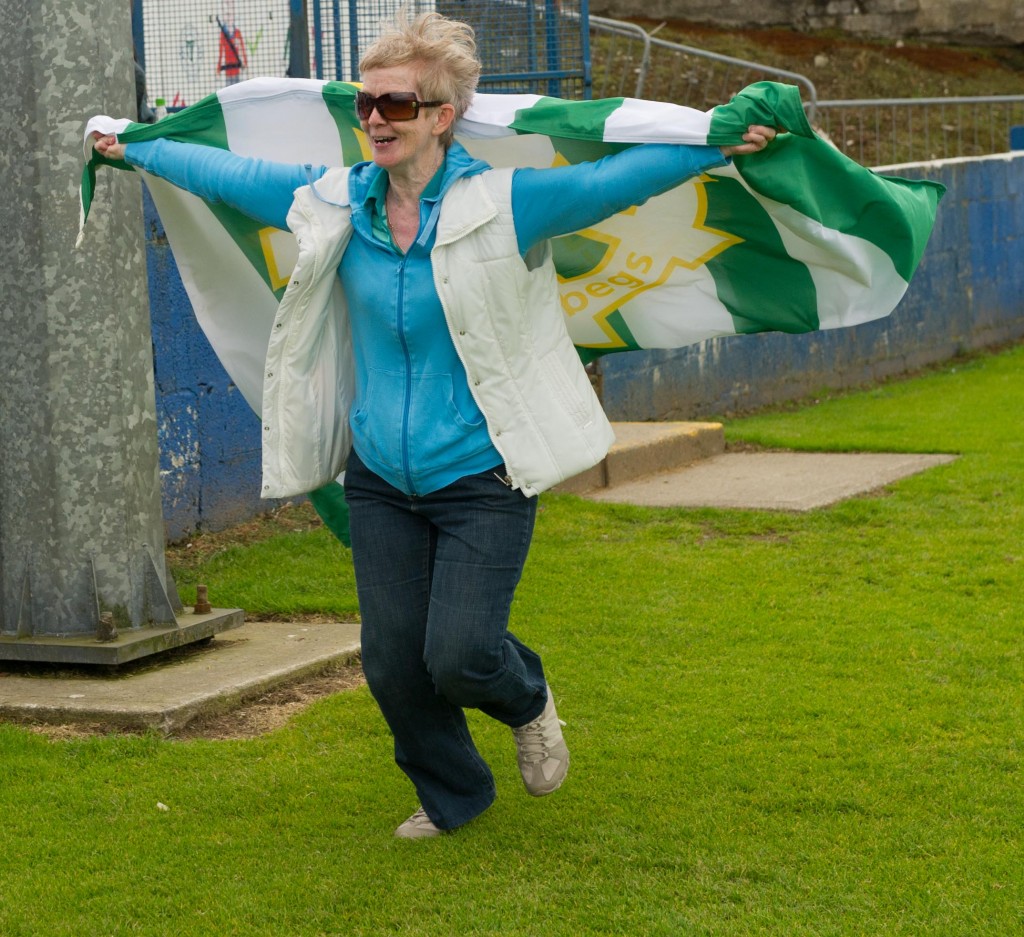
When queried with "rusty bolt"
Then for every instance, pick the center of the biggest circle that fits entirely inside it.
(202, 606)
(107, 630)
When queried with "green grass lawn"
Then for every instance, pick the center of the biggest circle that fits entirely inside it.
(780, 724)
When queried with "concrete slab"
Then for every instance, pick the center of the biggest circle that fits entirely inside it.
(166, 695)
(784, 481)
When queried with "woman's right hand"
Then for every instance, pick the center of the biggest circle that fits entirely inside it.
(107, 145)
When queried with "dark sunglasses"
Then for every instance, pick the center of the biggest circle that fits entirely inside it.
(396, 105)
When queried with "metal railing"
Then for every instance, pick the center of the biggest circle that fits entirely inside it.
(628, 61)
(883, 132)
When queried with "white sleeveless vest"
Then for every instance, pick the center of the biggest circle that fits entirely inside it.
(504, 316)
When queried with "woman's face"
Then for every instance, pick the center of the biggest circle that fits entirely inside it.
(407, 144)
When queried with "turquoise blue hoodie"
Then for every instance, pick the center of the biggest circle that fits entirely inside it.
(414, 421)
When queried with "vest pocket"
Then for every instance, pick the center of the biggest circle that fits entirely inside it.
(563, 390)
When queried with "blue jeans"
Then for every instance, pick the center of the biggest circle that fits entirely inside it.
(435, 576)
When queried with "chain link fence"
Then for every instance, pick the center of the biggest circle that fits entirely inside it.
(529, 46)
(888, 131)
(192, 48)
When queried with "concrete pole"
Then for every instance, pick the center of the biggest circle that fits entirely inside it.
(81, 528)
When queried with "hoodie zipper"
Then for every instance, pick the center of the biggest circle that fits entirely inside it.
(407, 403)
(421, 241)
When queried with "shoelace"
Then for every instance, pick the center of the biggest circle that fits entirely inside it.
(533, 742)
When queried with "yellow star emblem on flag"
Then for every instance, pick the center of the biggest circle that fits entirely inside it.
(603, 268)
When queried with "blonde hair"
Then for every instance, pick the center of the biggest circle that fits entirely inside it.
(444, 49)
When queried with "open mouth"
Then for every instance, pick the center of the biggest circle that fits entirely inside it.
(383, 141)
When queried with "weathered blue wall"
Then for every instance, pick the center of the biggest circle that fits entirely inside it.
(968, 293)
(209, 437)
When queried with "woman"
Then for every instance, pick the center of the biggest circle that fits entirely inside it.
(464, 398)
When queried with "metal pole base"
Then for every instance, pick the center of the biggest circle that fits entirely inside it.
(125, 647)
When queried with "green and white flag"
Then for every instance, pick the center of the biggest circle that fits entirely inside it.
(795, 238)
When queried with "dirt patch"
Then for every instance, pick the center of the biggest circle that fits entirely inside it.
(846, 67)
(274, 708)
(197, 548)
(956, 59)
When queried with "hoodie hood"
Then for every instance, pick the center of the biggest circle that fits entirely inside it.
(457, 165)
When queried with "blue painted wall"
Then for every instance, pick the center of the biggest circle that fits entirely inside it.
(209, 437)
(968, 293)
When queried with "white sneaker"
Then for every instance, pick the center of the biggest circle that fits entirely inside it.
(418, 826)
(541, 751)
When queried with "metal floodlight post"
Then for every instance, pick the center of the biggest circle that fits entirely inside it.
(552, 43)
(318, 41)
(298, 40)
(353, 39)
(81, 529)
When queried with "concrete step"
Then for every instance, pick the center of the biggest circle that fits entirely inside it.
(644, 449)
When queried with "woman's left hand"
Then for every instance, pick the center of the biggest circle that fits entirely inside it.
(756, 137)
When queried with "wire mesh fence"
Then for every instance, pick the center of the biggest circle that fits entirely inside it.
(534, 46)
(192, 48)
(627, 60)
(538, 46)
(340, 30)
(902, 130)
